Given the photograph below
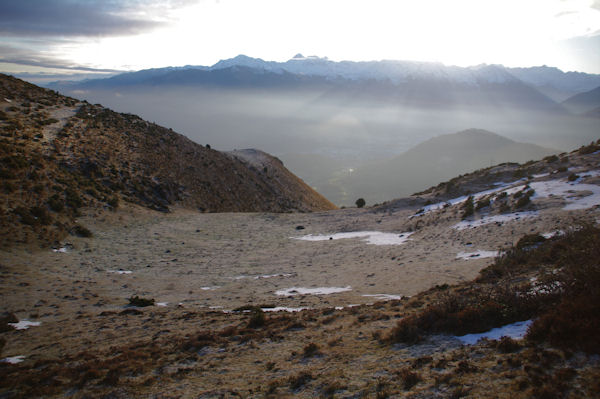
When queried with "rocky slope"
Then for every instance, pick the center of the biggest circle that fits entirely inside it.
(59, 155)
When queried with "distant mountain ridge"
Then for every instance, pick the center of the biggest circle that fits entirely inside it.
(584, 102)
(550, 81)
(436, 160)
(413, 84)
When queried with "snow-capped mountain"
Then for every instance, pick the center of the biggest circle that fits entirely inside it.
(555, 83)
(386, 70)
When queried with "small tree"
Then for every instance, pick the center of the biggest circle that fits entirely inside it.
(468, 207)
(360, 202)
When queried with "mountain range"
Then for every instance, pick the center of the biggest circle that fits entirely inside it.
(404, 82)
(551, 81)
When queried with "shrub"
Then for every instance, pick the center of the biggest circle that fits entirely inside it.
(41, 214)
(72, 198)
(360, 203)
(140, 302)
(257, 319)
(530, 240)
(468, 207)
(507, 345)
(482, 203)
(113, 202)
(311, 350)
(55, 203)
(81, 231)
(409, 378)
(297, 381)
(573, 177)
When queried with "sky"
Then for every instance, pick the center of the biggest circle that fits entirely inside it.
(90, 37)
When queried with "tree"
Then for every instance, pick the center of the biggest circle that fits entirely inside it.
(360, 202)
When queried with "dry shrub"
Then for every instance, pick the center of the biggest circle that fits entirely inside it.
(199, 341)
(475, 310)
(299, 380)
(311, 350)
(409, 378)
(575, 321)
(507, 345)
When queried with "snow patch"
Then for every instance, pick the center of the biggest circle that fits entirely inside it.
(569, 191)
(371, 237)
(466, 224)
(515, 330)
(273, 275)
(476, 255)
(210, 288)
(384, 297)
(312, 291)
(162, 304)
(120, 271)
(25, 324)
(60, 250)
(553, 234)
(500, 187)
(283, 309)
(13, 359)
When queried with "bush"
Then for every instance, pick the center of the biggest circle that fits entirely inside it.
(573, 177)
(140, 302)
(257, 319)
(81, 231)
(311, 350)
(360, 203)
(409, 378)
(113, 202)
(297, 381)
(482, 203)
(530, 240)
(55, 203)
(468, 207)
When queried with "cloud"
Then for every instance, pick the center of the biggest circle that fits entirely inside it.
(22, 56)
(80, 18)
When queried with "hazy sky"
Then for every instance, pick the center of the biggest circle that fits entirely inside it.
(65, 36)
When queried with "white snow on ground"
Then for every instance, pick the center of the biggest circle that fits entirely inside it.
(568, 190)
(553, 234)
(25, 324)
(243, 276)
(312, 291)
(13, 359)
(120, 271)
(515, 330)
(500, 186)
(371, 237)
(283, 309)
(384, 297)
(542, 189)
(210, 288)
(466, 224)
(476, 255)
(60, 250)
(161, 304)
(274, 275)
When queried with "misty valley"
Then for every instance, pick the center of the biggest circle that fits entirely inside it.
(356, 135)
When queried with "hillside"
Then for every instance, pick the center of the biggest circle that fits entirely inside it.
(417, 298)
(583, 102)
(435, 160)
(60, 155)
